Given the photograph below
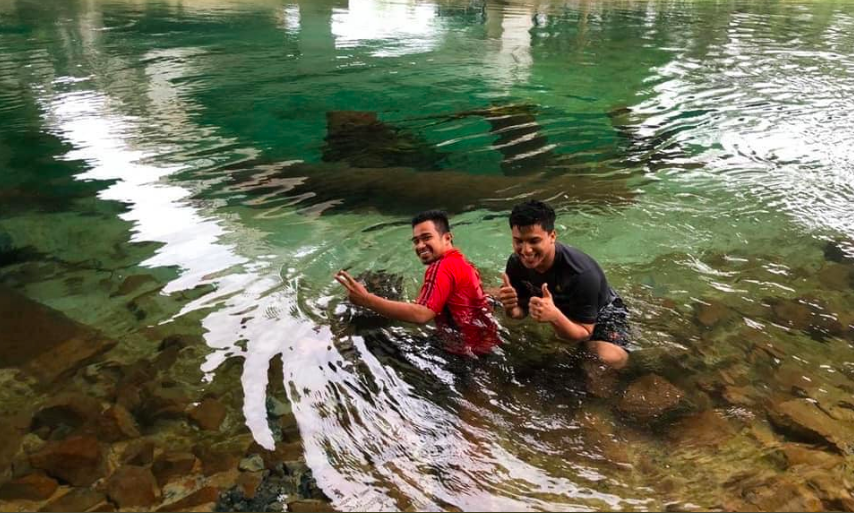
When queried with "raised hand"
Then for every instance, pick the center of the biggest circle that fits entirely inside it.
(507, 294)
(543, 309)
(357, 292)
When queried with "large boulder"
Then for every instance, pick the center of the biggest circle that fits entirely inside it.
(42, 341)
(649, 397)
(78, 460)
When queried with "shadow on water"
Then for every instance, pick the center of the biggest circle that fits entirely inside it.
(375, 167)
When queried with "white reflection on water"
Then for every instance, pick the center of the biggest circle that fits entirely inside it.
(159, 211)
(511, 63)
(403, 27)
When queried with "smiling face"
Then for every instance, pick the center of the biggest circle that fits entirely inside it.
(428, 243)
(535, 247)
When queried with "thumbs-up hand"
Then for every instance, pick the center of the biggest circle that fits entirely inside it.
(546, 293)
(543, 309)
(507, 294)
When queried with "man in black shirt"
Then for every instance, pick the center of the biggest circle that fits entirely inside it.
(562, 286)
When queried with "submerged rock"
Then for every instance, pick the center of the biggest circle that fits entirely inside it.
(66, 412)
(203, 499)
(138, 453)
(208, 415)
(598, 434)
(77, 460)
(601, 380)
(362, 140)
(739, 396)
(802, 454)
(837, 276)
(172, 464)
(708, 428)
(649, 397)
(133, 487)
(12, 431)
(381, 283)
(158, 402)
(134, 282)
(310, 506)
(792, 313)
(32, 487)
(252, 463)
(750, 492)
(803, 419)
(833, 490)
(278, 490)
(289, 451)
(116, 423)
(221, 457)
(249, 483)
(44, 342)
(713, 313)
(78, 499)
(833, 252)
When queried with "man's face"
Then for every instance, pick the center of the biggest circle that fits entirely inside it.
(535, 247)
(429, 245)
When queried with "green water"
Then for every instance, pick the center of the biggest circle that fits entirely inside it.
(700, 151)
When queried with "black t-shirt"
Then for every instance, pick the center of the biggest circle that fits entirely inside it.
(576, 282)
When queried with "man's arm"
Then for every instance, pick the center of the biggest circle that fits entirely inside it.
(398, 310)
(570, 330)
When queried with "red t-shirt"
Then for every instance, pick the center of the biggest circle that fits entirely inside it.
(452, 289)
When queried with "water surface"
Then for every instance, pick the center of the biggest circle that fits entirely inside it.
(700, 151)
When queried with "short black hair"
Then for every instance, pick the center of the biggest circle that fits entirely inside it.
(533, 212)
(439, 218)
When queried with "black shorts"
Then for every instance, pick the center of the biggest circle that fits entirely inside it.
(612, 324)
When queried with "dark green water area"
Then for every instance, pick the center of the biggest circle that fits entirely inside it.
(179, 180)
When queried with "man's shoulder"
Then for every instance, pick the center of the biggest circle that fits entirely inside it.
(457, 262)
(575, 259)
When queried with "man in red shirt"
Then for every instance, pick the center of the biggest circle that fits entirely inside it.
(451, 293)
